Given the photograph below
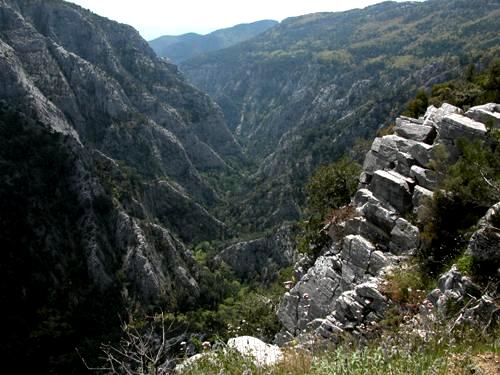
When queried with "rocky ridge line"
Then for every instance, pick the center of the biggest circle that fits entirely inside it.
(341, 291)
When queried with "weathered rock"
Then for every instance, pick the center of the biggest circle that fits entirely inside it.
(404, 162)
(452, 287)
(264, 256)
(327, 328)
(484, 313)
(392, 188)
(484, 245)
(416, 132)
(421, 153)
(368, 295)
(394, 181)
(383, 218)
(313, 296)
(425, 177)
(404, 237)
(422, 198)
(456, 126)
(389, 143)
(364, 196)
(433, 115)
(363, 304)
(357, 250)
(301, 266)
(383, 153)
(416, 121)
(373, 161)
(263, 354)
(487, 114)
(370, 290)
(347, 309)
(361, 226)
(365, 178)
(378, 261)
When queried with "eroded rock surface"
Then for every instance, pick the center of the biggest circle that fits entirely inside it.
(340, 292)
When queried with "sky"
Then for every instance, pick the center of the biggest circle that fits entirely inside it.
(153, 18)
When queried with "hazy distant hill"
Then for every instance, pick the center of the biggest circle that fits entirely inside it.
(186, 46)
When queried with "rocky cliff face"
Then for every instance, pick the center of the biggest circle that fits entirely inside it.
(341, 291)
(104, 148)
(301, 94)
(262, 258)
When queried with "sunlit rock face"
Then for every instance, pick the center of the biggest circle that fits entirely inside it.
(341, 291)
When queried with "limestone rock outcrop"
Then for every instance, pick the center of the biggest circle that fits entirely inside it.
(452, 287)
(341, 290)
(262, 354)
(262, 257)
(484, 245)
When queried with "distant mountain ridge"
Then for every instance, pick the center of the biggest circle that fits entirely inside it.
(183, 47)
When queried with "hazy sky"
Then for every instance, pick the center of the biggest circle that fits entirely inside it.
(154, 18)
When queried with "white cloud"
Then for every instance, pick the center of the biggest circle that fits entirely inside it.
(156, 17)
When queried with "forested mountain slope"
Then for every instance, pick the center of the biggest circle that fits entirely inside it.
(302, 93)
(103, 148)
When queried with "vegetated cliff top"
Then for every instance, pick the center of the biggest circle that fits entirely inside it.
(186, 46)
(300, 94)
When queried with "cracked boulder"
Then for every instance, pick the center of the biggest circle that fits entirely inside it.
(456, 126)
(487, 114)
(392, 188)
(405, 237)
(406, 128)
(484, 245)
(313, 296)
(424, 177)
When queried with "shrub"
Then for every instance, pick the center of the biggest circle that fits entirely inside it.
(417, 106)
(329, 189)
(469, 187)
(332, 186)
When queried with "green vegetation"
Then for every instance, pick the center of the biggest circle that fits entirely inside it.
(328, 191)
(229, 307)
(301, 94)
(470, 187)
(50, 306)
(417, 106)
(332, 186)
(462, 352)
(470, 89)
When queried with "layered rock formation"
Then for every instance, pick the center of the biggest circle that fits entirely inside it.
(341, 291)
(131, 116)
(484, 245)
(264, 257)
